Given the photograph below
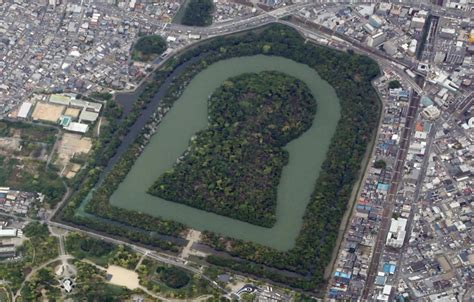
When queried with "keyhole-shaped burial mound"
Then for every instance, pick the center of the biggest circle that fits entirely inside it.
(233, 167)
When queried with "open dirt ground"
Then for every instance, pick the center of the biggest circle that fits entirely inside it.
(9, 144)
(123, 277)
(47, 112)
(71, 144)
(72, 112)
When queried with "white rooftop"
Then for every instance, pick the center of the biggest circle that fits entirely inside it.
(8, 232)
(77, 127)
(24, 110)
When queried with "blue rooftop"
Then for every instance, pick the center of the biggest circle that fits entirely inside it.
(426, 101)
(380, 280)
(383, 187)
(389, 268)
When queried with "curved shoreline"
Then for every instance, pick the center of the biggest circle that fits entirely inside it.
(307, 153)
(350, 75)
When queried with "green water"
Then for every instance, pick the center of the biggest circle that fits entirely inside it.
(189, 115)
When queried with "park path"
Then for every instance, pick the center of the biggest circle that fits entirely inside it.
(33, 271)
(193, 236)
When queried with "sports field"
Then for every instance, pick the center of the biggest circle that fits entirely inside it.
(47, 112)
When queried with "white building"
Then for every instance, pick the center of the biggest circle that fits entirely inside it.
(77, 127)
(396, 234)
(447, 33)
(6, 233)
(171, 39)
(88, 116)
(86, 105)
(431, 112)
(194, 37)
(24, 110)
(369, 28)
(375, 21)
(377, 39)
(412, 48)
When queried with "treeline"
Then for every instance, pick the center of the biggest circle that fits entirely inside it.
(81, 246)
(233, 168)
(258, 271)
(34, 133)
(198, 13)
(173, 277)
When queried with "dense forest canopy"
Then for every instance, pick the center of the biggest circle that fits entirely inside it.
(198, 13)
(148, 48)
(233, 168)
(394, 84)
(173, 277)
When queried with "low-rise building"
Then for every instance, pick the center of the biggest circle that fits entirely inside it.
(8, 233)
(7, 250)
(431, 112)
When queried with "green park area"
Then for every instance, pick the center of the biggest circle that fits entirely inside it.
(172, 282)
(92, 285)
(38, 248)
(29, 133)
(93, 257)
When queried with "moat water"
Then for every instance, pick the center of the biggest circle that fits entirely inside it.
(189, 115)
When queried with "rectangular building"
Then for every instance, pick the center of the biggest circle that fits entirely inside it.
(88, 116)
(60, 99)
(77, 127)
(396, 234)
(7, 233)
(377, 39)
(447, 33)
(375, 21)
(24, 110)
(85, 105)
(7, 250)
(417, 22)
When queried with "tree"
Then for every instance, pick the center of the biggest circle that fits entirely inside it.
(247, 297)
(394, 84)
(380, 164)
(148, 47)
(36, 229)
(174, 277)
(198, 13)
